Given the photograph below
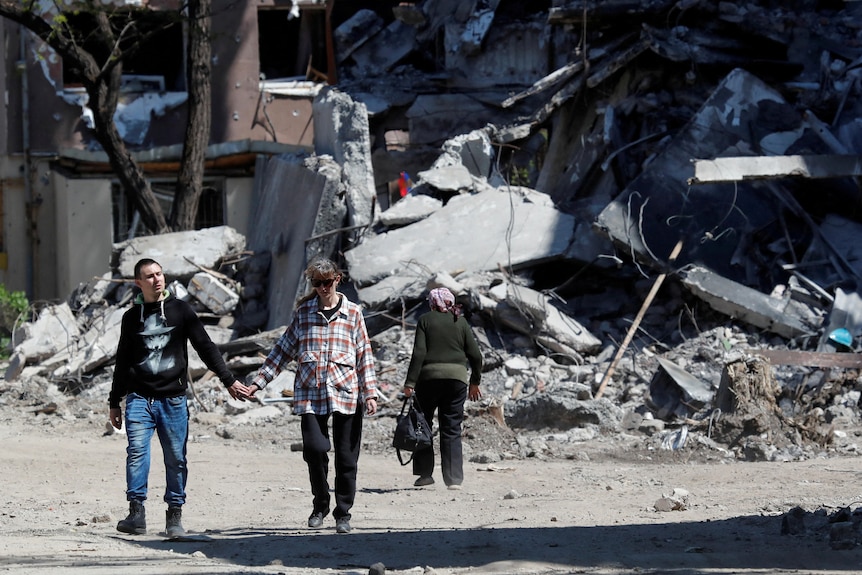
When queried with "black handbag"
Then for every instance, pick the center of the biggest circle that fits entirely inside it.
(412, 431)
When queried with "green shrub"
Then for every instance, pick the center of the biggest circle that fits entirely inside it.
(13, 308)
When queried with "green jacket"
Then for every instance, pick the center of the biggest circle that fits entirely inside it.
(442, 349)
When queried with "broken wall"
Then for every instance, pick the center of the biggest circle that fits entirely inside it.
(287, 202)
(83, 240)
(28, 260)
(519, 57)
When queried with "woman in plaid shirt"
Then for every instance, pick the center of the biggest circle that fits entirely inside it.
(335, 377)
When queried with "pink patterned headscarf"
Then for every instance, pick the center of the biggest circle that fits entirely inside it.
(441, 299)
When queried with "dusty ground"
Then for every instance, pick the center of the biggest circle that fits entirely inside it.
(63, 488)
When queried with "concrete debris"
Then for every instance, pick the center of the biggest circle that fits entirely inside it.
(448, 179)
(341, 131)
(777, 313)
(181, 254)
(555, 150)
(507, 226)
(355, 31)
(676, 501)
(675, 391)
(412, 208)
(529, 312)
(214, 295)
(53, 331)
(735, 169)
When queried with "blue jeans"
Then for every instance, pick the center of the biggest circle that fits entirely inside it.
(169, 418)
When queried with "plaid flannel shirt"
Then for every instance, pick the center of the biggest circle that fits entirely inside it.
(335, 364)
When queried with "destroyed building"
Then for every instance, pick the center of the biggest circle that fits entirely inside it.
(585, 176)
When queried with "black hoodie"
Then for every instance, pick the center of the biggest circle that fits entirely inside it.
(152, 354)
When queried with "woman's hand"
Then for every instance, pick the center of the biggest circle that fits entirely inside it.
(474, 393)
(370, 406)
(239, 391)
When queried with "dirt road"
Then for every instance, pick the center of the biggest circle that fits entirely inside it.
(249, 500)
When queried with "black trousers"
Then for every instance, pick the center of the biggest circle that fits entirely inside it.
(347, 438)
(446, 397)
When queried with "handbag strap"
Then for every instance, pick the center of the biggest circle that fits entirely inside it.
(401, 459)
(407, 401)
(404, 408)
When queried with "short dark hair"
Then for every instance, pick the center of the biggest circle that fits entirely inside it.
(144, 262)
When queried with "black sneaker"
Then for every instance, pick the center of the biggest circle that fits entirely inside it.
(424, 480)
(315, 520)
(342, 525)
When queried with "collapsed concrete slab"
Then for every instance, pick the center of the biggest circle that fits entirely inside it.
(476, 28)
(764, 167)
(496, 227)
(355, 31)
(743, 117)
(454, 178)
(779, 315)
(395, 288)
(409, 209)
(534, 314)
(181, 254)
(385, 49)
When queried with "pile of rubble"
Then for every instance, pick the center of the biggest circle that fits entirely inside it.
(704, 387)
(655, 243)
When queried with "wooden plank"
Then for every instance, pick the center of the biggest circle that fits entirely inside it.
(809, 358)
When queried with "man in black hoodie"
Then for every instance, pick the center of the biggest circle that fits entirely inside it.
(151, 374)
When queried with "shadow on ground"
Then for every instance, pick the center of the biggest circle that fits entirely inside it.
(740, 543)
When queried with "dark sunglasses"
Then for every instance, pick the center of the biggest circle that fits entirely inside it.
(324, 283)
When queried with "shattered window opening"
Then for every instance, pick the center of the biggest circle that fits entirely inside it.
(152, 67)
(292, 47)
(211, 208)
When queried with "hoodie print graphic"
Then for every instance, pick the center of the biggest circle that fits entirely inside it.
(156, 335)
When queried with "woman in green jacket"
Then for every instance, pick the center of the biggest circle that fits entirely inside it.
(443, 348)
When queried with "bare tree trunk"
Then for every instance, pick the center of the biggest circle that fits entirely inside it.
(125, 168)
(104, 92)
(190, 179)
(103, 89)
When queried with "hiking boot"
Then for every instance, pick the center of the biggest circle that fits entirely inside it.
(315, 520)
(173, 522)
(342, 525)
(423, 481)
(136, 522)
